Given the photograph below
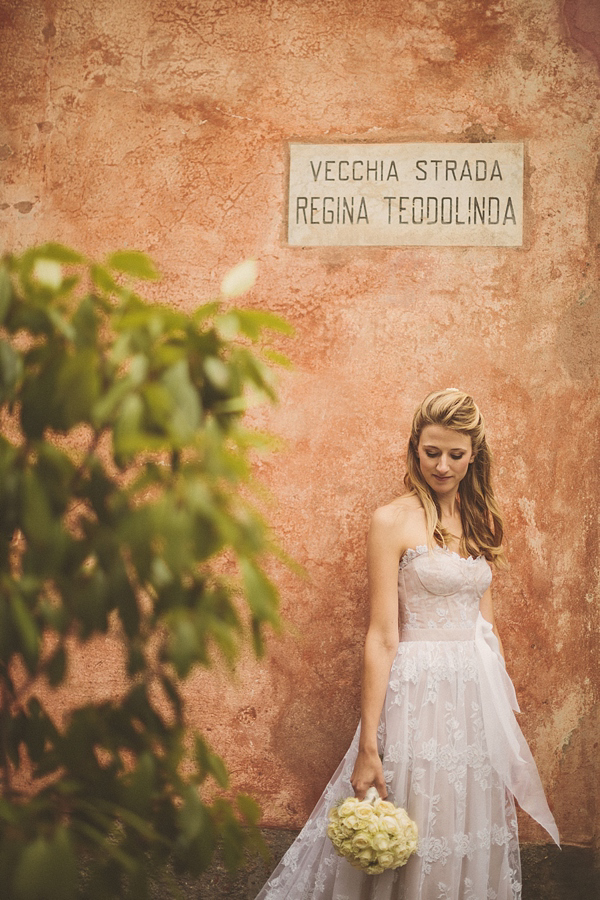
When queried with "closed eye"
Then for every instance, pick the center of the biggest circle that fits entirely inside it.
(433, 453)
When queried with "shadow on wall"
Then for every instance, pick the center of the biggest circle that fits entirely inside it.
(577, 774)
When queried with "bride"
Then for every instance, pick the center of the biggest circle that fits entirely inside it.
(437, 735)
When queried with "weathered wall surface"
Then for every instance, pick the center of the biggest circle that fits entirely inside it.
(163, 125)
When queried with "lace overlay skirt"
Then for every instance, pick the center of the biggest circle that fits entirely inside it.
(436, 765)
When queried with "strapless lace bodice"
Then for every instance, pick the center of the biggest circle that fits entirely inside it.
(440, 589)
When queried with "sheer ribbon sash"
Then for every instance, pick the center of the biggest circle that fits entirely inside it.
(509, 753)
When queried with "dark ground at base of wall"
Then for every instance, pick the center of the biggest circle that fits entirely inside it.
(548, 873)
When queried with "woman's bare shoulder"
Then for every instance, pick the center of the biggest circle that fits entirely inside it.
(398, 512)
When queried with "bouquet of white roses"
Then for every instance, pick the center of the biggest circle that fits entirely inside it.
(372, 834)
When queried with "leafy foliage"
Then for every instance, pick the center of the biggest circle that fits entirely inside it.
(122, 459)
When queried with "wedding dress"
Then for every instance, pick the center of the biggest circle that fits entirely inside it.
(453, 755)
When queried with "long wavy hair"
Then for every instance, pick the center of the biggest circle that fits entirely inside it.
(480, 516)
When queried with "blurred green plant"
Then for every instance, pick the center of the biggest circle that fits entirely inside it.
(124, 468)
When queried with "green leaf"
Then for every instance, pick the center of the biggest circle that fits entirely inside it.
(232, 842)
(6, 293)
(56, 472)
(126, 435)
(184, 647)
(26, 628)
(47, 869)
(260, 592)
(134, 263)
(249, 809)
(206, 311)
(141, 784)
(59, 253)
(253, 321)
(106, 405)
(61, 324)
(85, 323)
(186, 402)
(278, 359)
(208, 763)
(127, 603)
(103, 279)
(194, 819)
(38, 523)
(77, 387)
(11, 370)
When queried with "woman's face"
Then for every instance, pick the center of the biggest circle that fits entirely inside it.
(444, 457)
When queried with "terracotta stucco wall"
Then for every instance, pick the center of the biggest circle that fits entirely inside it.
(163, 125)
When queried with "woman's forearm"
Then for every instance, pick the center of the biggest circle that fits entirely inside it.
(378, 658)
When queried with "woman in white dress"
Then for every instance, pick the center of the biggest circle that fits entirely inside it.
(437, 735)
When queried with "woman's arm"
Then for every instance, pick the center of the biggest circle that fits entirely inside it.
(486, 608)
(381, 644)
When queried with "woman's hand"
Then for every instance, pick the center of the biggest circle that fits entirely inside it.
(368, 771)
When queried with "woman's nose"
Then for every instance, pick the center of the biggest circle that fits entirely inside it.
(442, 465)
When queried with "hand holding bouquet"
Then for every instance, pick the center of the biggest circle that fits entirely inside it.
(372, 834)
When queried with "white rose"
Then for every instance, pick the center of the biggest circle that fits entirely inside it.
(386, 860)
(347, 807)
(360, 842)
(390, 824)
(365, 813)
(384, 807)
(381, 842)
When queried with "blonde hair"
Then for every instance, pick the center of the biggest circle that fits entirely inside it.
(480, 516)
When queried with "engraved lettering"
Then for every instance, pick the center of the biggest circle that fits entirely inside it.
(509, 213)
(479, 209)
(480, 170)
(417, 211)
(301, 204)
(389, 200)
(493, 218)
